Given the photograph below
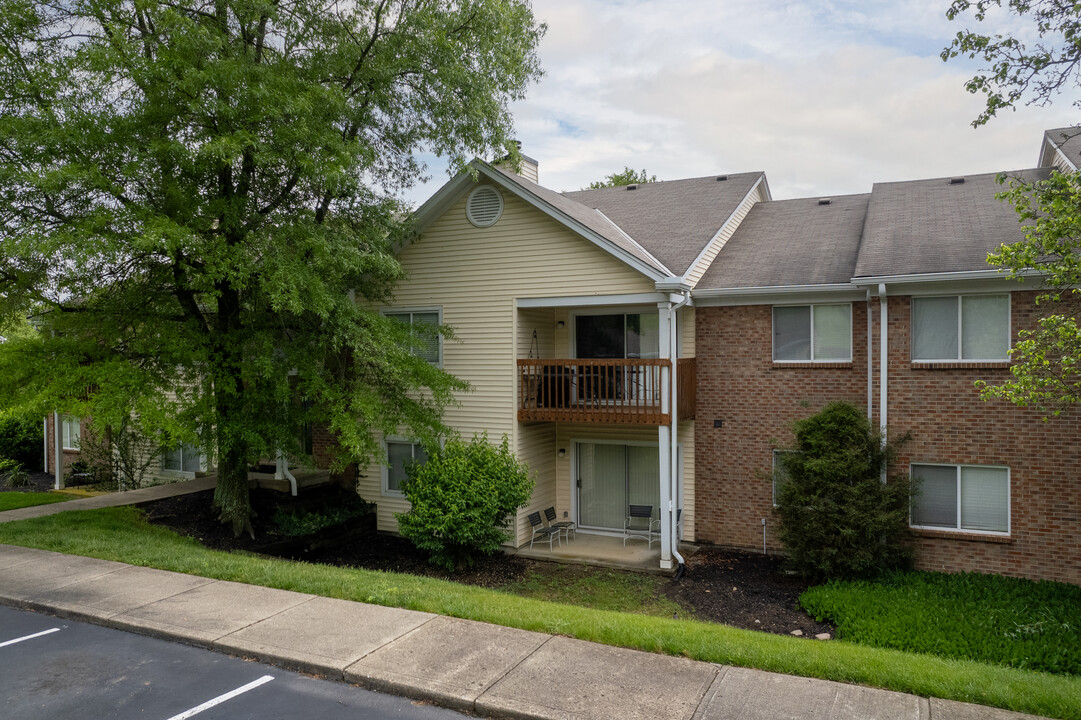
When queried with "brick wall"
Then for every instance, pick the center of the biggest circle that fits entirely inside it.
(324, 447)
(939, 405)
(756, 400)
(949, 423)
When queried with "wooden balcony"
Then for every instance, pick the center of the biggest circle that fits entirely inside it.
(608, 391)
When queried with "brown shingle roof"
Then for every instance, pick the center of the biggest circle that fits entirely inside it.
(791, 242)
(933, 226)
(1068, 140)
(673, 220)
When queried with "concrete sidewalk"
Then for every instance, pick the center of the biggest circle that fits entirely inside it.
(486, 669)
(114, 499)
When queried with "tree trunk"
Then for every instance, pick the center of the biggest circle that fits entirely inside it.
(231, 496)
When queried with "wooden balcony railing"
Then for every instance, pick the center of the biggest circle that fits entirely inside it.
(593, 390)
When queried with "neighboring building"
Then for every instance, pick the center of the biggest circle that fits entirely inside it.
(567, 308)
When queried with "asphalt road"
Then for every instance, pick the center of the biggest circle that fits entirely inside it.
(59, 669)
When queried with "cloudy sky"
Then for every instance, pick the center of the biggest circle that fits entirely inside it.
(825, 97)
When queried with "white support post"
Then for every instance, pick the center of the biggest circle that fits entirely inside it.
(664, 438)
(58, 464)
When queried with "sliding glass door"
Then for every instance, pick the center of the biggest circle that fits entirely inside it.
(611, 477)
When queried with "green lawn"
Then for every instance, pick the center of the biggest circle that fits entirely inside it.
(989, 618)
(597, 588)
(15, 500)
(122, 534)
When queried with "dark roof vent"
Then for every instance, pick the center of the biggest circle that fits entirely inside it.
(825, 201)
(957, 181)
(722, 178)
(632, 187)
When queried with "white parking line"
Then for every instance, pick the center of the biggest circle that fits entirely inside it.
(222, 698)
(29, 637)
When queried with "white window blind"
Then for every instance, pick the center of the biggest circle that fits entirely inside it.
(972, 327)
(962, 497)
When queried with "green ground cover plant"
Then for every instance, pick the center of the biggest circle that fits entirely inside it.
(298, 523)
(16, 500)
(121, 534)
(988, 618)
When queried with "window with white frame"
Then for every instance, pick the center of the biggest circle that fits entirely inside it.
(71, 432)
(972, 498)
(780, 473)
(182, 458)
(427, 343)
(812, 333)
(400, 453)
(961, 327)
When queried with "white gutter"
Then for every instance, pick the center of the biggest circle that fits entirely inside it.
(774, 290)
(883, 367)
(58, 466)
(940, 277)
(674, 455)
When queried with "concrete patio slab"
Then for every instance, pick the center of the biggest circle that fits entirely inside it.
(121, 591)
(756, 694)
(36, 580)
(322, 634)
(208, 612)
(568, 678)
(450, 660)
(952, 710)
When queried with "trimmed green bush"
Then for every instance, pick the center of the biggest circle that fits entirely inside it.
(988, 618)
(20, 440)
(462, 500)
(837, 518)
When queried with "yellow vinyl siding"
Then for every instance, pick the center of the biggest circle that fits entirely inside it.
(1061, 163)
(475, 275)
(695, 273)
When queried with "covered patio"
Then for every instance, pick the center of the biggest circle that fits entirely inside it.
(604, 551)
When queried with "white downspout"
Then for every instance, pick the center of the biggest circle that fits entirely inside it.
(58, 469)
(870, 361)
(45, 425)
(673, 501)
(281, 471)
(883, 366)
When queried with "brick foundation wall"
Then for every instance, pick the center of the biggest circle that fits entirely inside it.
(757, 400)
(324, 447)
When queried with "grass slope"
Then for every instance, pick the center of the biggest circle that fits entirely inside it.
(16, 500)
(121, 534)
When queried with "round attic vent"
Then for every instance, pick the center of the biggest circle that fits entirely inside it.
(484, 206)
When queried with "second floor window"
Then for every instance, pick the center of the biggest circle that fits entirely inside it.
(812, 333)
(961, 327)
(428, 344)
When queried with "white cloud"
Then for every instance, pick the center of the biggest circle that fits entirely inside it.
(826, 97)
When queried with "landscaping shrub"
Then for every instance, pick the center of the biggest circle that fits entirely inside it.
(837, 518)
(297, 523)
(13, 475)
(462, 499)
(988, 618)
(20, 440)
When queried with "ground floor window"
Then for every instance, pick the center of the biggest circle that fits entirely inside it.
(182, 458)
(71, 431)
(400, 453)
(779, 474)
(972, 498)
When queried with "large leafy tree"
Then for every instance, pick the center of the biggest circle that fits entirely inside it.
(1046, 368)
(199, 198)
(628, 176)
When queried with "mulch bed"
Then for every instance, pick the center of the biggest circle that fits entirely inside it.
(735, 588)
(39, 482)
